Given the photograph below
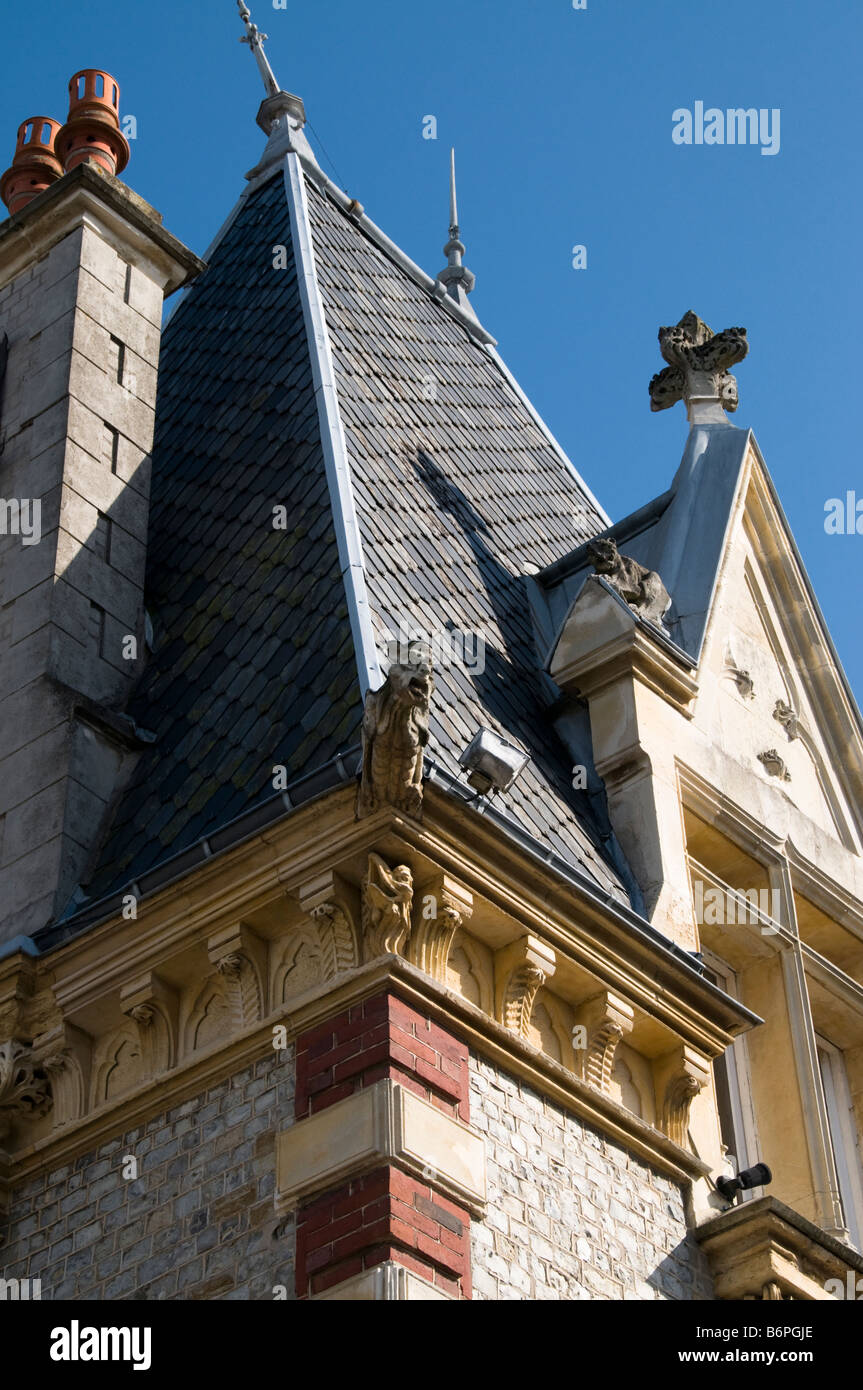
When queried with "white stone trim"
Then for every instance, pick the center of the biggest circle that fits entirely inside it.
(382, 1124)
(387, 1282)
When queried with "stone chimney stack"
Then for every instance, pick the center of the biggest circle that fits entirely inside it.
(84, 267)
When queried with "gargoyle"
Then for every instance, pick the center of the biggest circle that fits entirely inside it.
(698, 364)
(386, 907)
(641, 588)
(395, 732)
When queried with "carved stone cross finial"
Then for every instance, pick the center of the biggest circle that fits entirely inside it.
(255, 39)
(697, 372)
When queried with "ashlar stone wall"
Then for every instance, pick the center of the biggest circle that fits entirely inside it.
(571, 1214)
(197, 1223)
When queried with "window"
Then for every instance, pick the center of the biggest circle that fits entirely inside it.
(843, 1137)
(731, 1081)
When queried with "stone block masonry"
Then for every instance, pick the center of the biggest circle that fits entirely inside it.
(572, 1215)
(198, 1222)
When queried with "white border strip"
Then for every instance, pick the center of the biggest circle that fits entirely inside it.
(332, 432)
(538, 420)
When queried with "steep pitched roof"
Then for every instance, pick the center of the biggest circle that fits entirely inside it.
(419, 484)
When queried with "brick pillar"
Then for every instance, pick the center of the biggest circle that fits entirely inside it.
(400, 1212)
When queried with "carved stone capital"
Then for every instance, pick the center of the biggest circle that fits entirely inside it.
(442, 906)
(329, 901)
(387, 900)
(605, 1019)
(680, 1075)
(520, 971)
(25, 1088)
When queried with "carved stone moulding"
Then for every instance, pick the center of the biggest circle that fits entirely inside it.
(442, 906)
(774, 764)
(520, 971)
(605, 1019)
(25, 1086)
(788, 718)
(766, 1250)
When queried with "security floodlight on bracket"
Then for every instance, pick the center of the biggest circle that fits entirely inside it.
(492, 763)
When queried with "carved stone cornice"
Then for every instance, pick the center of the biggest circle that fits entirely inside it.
(25, 1088)
(387, 899)
(520, 971)
(680, 1076)
(442, 906)
(329, 901)
(606, 1019)
(766, 1250)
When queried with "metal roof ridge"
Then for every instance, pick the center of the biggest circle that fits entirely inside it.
(333, 442)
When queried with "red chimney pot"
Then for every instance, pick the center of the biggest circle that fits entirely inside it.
(35, 165)
(92, 129)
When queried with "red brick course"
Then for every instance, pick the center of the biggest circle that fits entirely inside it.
(381, 1038)
(386, 1214)
(383, 1215)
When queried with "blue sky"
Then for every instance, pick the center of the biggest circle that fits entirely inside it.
(562, 124)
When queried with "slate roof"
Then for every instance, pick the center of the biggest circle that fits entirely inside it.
(254, 661)
(455, 493)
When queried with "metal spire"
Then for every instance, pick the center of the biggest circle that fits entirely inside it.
(255, 39)
(455, 277)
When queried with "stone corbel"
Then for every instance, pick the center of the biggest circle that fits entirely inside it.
(679, 1076)
(520, 971)
(64, 1055)
(442, 906)
(25, 1089)
(329, 901)
(154, 1006)
(240, 957)
(605, 1019)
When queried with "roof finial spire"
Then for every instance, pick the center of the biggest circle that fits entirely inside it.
(281, 114)
(697, 372)
(255, 39)
(455, 277)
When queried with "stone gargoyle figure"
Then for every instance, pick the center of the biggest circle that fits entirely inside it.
(386, 907)
(641, 588)
(698, 361)
(395, 732)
